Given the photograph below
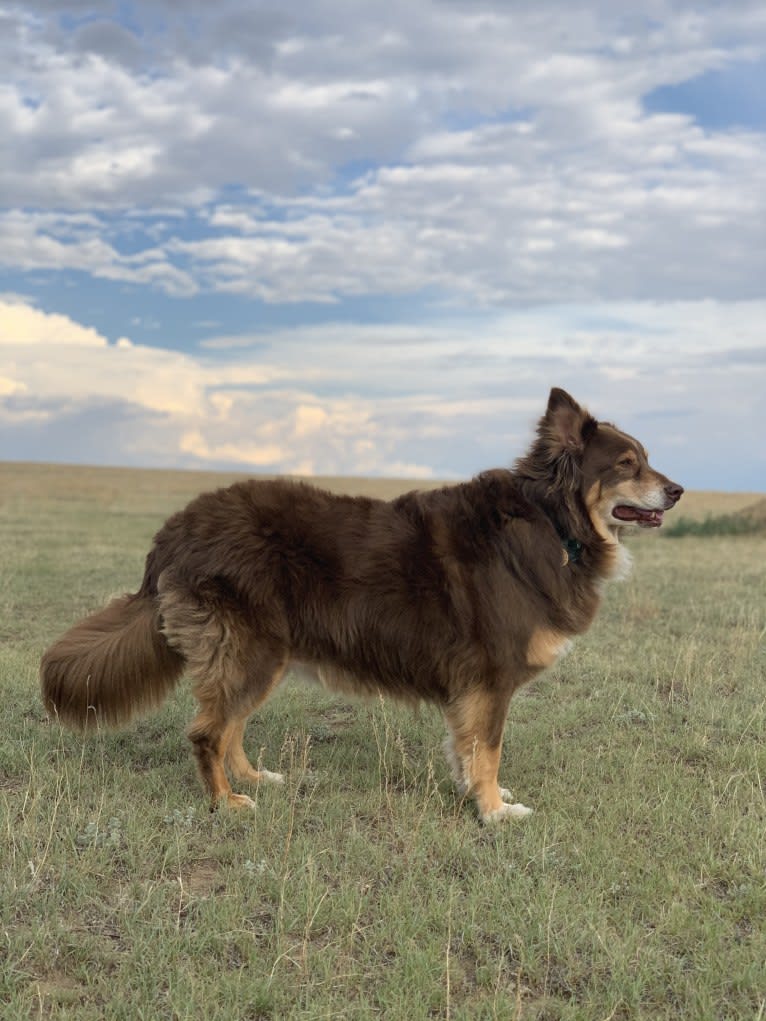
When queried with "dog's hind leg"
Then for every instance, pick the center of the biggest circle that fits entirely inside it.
(235, 670)
(475, 724)
(236, 759)
(226, 700)
(207, 733)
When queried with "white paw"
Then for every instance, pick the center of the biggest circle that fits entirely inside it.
(519, 810)
(239, 801)
(506, 811)
(268, 777)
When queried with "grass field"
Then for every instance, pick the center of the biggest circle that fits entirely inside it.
(364, 888)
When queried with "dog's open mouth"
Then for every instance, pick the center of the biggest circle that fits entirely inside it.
(638, 515)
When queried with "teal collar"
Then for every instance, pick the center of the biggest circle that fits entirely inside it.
(573, 548)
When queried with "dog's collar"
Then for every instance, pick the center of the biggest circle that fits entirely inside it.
(572, 549)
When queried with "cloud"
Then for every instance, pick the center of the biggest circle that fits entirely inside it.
(453, 204)
(459, 112)
(440, 401)
(474, 216)
(76, 243)
(181, 409)
(22, 325)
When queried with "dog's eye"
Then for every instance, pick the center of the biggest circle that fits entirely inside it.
(626, 462)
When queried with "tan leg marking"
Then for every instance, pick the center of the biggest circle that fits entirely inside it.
(238, 762)
(226, 701)
(474, 747)
(207, 734)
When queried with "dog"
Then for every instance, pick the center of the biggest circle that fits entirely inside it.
(454, 596)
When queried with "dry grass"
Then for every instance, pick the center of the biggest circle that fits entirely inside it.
(146, 488)
(364, 888)
(167, 489)
(699, 504)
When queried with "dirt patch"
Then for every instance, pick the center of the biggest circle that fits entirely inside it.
(55, 991)
(202, 878)
(338, 716)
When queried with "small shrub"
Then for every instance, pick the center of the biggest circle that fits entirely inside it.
(720, 524)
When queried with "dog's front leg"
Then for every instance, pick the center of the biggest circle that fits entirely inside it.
(475, 722)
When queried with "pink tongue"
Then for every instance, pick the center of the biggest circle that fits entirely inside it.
(653, 517)
(627, 513)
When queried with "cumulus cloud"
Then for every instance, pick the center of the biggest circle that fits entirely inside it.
(22, 325)
(386, 400)
(180, 409)
(504, 175)
(510, 157)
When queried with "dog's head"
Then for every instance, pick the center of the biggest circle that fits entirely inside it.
(609, 469)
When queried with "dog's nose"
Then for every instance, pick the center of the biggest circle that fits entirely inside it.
(673, 491)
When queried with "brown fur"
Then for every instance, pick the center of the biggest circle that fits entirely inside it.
(455, 596)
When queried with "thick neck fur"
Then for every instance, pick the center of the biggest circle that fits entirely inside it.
(554, 485)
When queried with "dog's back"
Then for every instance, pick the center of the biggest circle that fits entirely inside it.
(416, 597)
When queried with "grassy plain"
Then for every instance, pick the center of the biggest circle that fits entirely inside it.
(364, 888)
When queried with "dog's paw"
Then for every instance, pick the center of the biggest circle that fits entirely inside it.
(507, 811)
(266, 776)
(520, 810)
(238, 801)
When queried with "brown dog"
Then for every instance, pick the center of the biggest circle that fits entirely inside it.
(455, 596)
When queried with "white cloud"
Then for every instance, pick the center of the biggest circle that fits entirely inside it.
(494, 165)
(51, 241)
(10, 387)
(440, 401)
(183, 409)
(656, 209)
(22, 325)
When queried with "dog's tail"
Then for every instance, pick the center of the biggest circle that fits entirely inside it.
(111, 666)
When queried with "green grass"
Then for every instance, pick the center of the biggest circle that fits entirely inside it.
(713, 524)
(365, 888)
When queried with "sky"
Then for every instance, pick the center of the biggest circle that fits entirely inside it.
(354, 238)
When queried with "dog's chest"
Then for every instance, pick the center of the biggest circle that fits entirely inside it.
(547, 645)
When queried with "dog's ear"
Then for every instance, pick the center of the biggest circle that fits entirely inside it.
(566, 426)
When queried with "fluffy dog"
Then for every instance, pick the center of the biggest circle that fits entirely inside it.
(456, 596)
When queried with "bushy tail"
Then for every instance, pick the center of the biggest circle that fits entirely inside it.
(111, 666)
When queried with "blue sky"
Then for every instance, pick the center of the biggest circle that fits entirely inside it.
(367, 239)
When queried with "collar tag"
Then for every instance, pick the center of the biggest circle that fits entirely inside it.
(570, 552)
